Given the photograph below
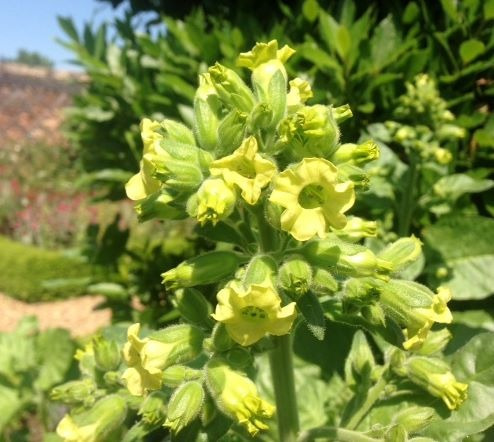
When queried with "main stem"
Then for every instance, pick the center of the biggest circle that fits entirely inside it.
(280, 361)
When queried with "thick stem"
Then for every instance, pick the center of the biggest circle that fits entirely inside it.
(280, 361)
(340, 434)
(407, 206)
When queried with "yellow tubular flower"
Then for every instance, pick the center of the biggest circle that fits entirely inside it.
(264, 53)
(142, 184)
(300, 92)
(215, 201)
(236, 396)
(249, 314)
(246, 169)
(313, 198)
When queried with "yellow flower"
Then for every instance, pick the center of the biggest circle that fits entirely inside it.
(246, 169)
(263, 53)
(300, 92)
(313, 198)
(215, 201)
(142, 184)
(236, 395)
(249, 314)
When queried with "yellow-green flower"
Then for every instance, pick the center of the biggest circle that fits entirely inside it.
(215, 201)
(436, 377)
(142, 184)
(300, 92)
(246, 169)
(249, 314)
(313, 198)
(263, 53)
(236, 396)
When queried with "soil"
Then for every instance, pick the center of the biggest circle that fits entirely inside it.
(78, 315)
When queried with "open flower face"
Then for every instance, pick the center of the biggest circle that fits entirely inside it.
(313, 198)
(246, 169)
(250, 314)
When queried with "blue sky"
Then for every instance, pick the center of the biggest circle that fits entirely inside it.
(32, 25)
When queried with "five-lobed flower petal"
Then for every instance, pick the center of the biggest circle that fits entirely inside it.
(246, 169)
(313, 198)
(249, 314)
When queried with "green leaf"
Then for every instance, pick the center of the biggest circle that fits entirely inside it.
(68, 27)
(452, 187)
(310, 9)
(449, 7)
(311, 310)
(10, 405)
(465, 246)
(471, 49)
(411, 13)
(472, 364)
(489, 9)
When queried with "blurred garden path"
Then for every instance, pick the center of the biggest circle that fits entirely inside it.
(77, 314)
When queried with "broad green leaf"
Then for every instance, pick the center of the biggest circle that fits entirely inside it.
(473, 364)
(452, 187)
(471, 49)
(465, 245)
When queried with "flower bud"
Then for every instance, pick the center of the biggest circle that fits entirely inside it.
(215, 201)
(363, 264)
(204, 269)
(194, 307)
(374, 314)
(153, 408)
(177, 374)
(442, 156)
(222, 341)
(414, 418)
(450, 131)
(206, 106)
(341, 113)
(112, 378)
(148, 357)
(396, 433)
(435, 376)
(181, 175)
(323, 282)
(349, 172)
(361, 291)
(357, 228)
(436, 342)
(236, 396)
(239, 357)
(74, 392)
(159, 205)
(358, 154)
(261, 117)
(295, 277)
(360, 360)
(231, 132)
(231, 88)
(106, 354)
(260, 269)
(402, 253)
(184, 406)
(96, 424)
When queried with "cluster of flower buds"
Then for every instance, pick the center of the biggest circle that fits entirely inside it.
(264, 173)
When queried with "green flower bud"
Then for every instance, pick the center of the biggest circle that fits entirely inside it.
(374, 314)
(206, 107)
(310, 132)
(148, 357)
(349, 172)
(194, 307)
(397, 433)
(360, 362)
(236, 396)
(363, 264)
(215, 201)
(435, 376)
(414, 419)
(357, 228)
(175, 131)
(260, 269)
(178, 174)
(323, 282)
(112, 378)
(261, 117)
(153, 408)
(361, 291)
(239, 357)
(450, 131)
(96, 424)
(74, 392)
(442, 156)
(222, 340)
(231, 132)
(436, 342)
(402, 253)
(184, 406)
(341, 113)
(295, 277)
(231, 88)
(204, 269)
(178, 374)
(159, 205)
(106, 354)
(358, 154)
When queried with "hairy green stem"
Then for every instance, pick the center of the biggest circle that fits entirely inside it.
(407, 206)
(340, 434)
(281, 364)
(370, 400)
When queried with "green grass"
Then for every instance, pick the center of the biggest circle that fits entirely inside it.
(32, 274)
